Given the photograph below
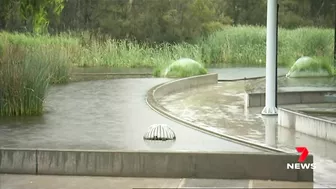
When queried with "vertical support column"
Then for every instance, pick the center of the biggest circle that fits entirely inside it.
(270, 108)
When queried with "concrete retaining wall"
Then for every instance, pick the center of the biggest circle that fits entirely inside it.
(18, 161)
(309, 125)
(185, 84)
(288, 97)
(261, 166)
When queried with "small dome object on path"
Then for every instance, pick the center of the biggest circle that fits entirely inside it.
(159, 132)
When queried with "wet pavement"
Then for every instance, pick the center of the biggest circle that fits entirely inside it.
(76, 182)
(106, 114)
(220, 108)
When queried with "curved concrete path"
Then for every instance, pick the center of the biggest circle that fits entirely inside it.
(220, 109)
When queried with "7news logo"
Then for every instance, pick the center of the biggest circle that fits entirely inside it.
(301, 165)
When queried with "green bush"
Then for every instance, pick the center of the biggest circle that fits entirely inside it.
(184, 67)
(307, 66)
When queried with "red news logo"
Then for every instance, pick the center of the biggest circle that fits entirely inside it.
(304, 153)
(302, 158)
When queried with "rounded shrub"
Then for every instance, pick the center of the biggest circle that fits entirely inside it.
(310, 67)
(184, 67)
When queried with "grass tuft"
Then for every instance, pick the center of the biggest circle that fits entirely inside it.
(25, 76)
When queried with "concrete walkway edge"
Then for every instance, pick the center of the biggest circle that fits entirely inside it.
(208, 165)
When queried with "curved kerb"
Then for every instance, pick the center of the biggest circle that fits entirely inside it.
(152, 102)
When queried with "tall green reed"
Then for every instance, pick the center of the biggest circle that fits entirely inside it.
(240, 45)
(246, 45)
(25, 75)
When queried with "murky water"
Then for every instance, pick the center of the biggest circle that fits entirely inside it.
(108, 114)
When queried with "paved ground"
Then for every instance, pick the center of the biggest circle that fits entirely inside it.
(72, 182)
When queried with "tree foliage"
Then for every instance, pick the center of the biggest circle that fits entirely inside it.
(29, 15)
(156, 20)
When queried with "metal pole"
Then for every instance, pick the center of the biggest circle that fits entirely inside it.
(270, 108)
(276, 58)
